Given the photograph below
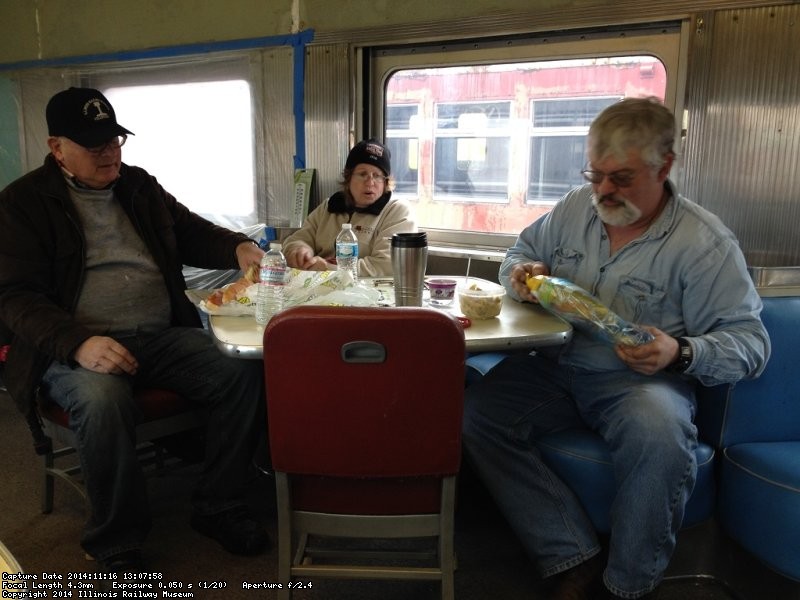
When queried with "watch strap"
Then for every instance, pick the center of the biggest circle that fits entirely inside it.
(685, 356)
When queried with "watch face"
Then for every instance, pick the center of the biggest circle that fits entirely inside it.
(684, 357)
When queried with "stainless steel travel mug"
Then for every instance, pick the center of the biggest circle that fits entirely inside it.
(409, 261)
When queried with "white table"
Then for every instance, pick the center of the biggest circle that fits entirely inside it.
(8, 564)
(519, 326)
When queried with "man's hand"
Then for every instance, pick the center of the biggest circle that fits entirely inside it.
(652, 357)
(519, 276)
(248, 255)
(105, 355)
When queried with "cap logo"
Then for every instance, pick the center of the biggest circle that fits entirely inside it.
(98, 105)
(374, 149)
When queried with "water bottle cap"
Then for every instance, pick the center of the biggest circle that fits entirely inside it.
(347, 225)
(275, 246)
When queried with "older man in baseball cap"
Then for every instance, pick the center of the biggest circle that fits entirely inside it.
(92, 291)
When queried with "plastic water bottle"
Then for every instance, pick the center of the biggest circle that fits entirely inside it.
(272, 279)
(347, 251)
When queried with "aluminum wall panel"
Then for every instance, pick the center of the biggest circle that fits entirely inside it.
(743, 136)
(277, 135)
(328, 106)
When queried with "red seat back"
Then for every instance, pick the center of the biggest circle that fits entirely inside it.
(364, 393)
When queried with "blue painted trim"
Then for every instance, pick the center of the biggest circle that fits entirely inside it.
(243, 44)
(298, 42)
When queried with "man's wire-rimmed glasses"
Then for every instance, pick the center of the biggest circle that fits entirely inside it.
(622, 178)
(113, 143)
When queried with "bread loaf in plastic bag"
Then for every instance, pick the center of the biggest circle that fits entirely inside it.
(585, 312)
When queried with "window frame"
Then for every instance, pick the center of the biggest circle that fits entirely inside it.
(668, 42)
(411, 136)
(543, 133)
(486, 133)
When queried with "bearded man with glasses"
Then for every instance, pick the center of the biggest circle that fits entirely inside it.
(92, 296)
(656, 259)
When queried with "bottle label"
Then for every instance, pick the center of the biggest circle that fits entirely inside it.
(346, 250)
(273, 275)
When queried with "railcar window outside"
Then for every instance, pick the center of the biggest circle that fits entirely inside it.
(490, 148)
(178, 140)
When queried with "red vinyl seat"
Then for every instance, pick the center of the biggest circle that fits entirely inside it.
(365, 409)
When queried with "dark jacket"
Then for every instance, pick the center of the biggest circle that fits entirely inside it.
(42, 261)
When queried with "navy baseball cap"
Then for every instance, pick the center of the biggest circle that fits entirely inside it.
(83, 115)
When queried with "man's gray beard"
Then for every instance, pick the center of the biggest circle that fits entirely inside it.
(620, 216)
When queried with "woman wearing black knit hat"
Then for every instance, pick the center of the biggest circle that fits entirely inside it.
(366, 202)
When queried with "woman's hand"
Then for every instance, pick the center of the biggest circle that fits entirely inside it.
(302, 257)
(318, 264)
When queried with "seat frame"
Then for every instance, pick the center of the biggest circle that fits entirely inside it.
(60, 456)
(308, 523)
(319, 532)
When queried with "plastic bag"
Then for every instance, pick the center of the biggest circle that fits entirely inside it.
(333, 288)
(585, 312)
(209, 279)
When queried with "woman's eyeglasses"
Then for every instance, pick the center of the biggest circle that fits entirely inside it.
(364, 176)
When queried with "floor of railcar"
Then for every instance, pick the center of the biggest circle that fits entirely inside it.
(491, 562)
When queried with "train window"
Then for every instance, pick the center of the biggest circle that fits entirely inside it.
(170, 142)
(195, 120)
(467, 136)
(504, 142)
(401, 122)
(486, 137)
(558, 145)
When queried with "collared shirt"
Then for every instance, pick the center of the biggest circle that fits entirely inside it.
(686, 275)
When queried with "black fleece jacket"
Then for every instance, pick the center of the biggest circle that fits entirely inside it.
(42, 262)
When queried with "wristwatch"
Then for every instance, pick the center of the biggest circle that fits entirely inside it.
(685, 356)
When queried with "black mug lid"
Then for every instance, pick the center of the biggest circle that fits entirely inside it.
(418, 239)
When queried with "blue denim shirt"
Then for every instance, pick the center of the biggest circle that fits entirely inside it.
(686, 275)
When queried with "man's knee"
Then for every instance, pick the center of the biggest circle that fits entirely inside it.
(86, 392)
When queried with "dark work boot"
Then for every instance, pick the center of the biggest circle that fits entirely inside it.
(581, 582)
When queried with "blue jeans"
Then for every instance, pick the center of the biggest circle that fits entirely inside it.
(103, 416)
(647, 423)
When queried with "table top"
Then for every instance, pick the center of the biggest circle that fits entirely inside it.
(519, 326)
(8, 564)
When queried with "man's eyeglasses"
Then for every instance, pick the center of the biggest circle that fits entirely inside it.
(363, 176)
(113, 143)
(622, 178)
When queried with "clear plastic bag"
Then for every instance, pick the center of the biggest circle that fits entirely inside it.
(585, 312)
(333, 288)
(210, 279)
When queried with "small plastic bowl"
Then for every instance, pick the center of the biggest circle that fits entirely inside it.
(442, 291)
(481, 300)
